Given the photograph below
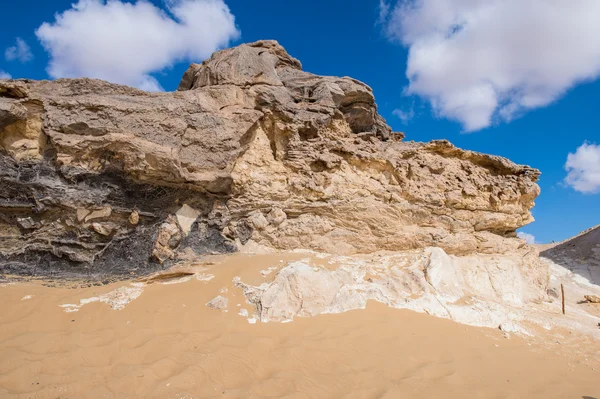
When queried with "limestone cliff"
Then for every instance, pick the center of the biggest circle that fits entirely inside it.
(250, 152)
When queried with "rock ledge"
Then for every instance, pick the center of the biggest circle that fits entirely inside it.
(250, 153)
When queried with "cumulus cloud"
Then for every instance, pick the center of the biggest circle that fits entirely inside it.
(583, 169)
(4, 75)
(125, 42)
(20, 52)
(529, 238)
(478, 61)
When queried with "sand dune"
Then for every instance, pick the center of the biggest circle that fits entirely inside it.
(166, 343)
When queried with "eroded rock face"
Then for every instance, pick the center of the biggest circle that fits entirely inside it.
(480, 290)
(250, 152)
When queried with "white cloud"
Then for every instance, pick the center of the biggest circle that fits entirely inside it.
(20, 52)
(125, 42)
(583, 169)
(384, 11)
(4, 75)
(477, 61)
(529, 238)
(405, 116)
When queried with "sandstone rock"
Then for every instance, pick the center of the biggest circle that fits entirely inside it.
(27, 223)
(21, 129)
(99, 214)
(103, 229)
(134, 218)
(81, 214)
(186, 217)
(167, 239)
(167, 277)
(592, 298)
(276, 217)
(258, 220)
(248, 134)
(218, 303)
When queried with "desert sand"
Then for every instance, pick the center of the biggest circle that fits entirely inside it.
(161, 340)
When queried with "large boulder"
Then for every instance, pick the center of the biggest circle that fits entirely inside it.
(257, 151)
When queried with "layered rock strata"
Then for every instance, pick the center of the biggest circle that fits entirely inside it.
(251, 152)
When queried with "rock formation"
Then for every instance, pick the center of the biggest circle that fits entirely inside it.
(251, 152)
(481, 290)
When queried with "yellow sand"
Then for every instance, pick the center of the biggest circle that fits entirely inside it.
(168, 344)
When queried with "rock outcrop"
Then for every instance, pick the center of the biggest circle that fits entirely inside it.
(480, 290)
(251, 152)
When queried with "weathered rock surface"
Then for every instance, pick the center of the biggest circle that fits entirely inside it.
(218, 303)
(480, 290)
(250, 152)
(592, 298)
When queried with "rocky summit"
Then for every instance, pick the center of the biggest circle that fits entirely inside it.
(250, 153)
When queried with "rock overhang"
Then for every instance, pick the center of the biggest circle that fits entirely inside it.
(248, 133)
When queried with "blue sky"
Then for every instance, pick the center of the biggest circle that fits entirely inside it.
(521, 87)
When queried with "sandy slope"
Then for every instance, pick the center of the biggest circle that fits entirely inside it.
(166, 343)
(580, 254)
(575, 262)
